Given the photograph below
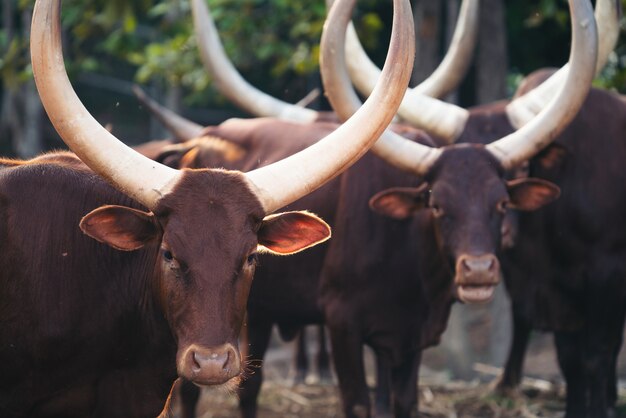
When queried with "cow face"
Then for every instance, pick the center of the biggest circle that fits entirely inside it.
(468, 196)
(207, 233)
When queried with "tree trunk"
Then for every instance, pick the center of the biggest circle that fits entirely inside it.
(492, 58)
(452, 14)
(22, 111)
(427, 15)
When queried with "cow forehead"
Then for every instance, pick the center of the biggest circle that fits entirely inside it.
(209, 204)
(467, 171)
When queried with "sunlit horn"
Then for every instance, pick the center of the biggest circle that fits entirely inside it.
(393, 148)
(517, 147)
(228, 80)
(441, 119)
(523, 109)
(132, 173)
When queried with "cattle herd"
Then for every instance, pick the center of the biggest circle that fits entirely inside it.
(123, 270)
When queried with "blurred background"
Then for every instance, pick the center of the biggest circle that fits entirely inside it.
(112, 44)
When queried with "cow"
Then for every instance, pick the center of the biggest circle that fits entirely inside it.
(433, 255)
(120, 273)
(566, 273)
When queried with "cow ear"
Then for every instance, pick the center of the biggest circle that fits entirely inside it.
(291, 232)
(121, 227)
(400, 202)
(530, 194)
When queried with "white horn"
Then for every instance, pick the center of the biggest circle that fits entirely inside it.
(455, 64)
(439, 118)
(519, 146)
(398, 151)
(523, 109)
(448, 74)
(132, 173)
(228, 80)
(291, 178)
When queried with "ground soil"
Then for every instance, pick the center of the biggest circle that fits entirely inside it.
(441, 396)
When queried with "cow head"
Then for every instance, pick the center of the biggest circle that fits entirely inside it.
(206, 235)
(465, 186)
(468, 197)
(205, 226)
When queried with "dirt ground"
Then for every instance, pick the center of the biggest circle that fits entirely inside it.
(542, 393)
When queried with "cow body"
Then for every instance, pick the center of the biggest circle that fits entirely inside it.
(567, 271)
(78, 333)
(384, 284)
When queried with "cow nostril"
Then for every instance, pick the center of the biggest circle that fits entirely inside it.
(465, 265)
(196, 367)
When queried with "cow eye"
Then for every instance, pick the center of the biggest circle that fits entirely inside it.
(167, 254)
(502, 206)
(252, 258)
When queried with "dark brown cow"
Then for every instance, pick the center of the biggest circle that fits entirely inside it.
(567, 271)
(451, 249)
(102, 328)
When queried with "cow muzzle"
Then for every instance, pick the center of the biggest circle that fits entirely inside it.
(210, 366)
(476, 277)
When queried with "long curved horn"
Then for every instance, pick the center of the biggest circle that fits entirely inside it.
(307, 170)
(455, 64)
(517, 147)
(523, 109)
(444, 120)
(132, 173)
(448, 74)
(391, 147)
(228, 80)
(182, 129)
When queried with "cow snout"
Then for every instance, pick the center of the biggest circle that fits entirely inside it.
(476, 277)
(211, 366)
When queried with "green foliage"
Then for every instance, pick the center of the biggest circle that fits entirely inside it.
(538, 29)
(153, 40)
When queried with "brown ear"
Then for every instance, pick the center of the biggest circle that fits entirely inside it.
(291, 232)
(121, 227)
(400, 202)
(531, 193)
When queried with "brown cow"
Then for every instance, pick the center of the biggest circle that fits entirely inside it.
(567, 271)
(102, 328)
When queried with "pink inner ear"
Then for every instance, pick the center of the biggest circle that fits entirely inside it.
(122, 228)
(291, 232)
